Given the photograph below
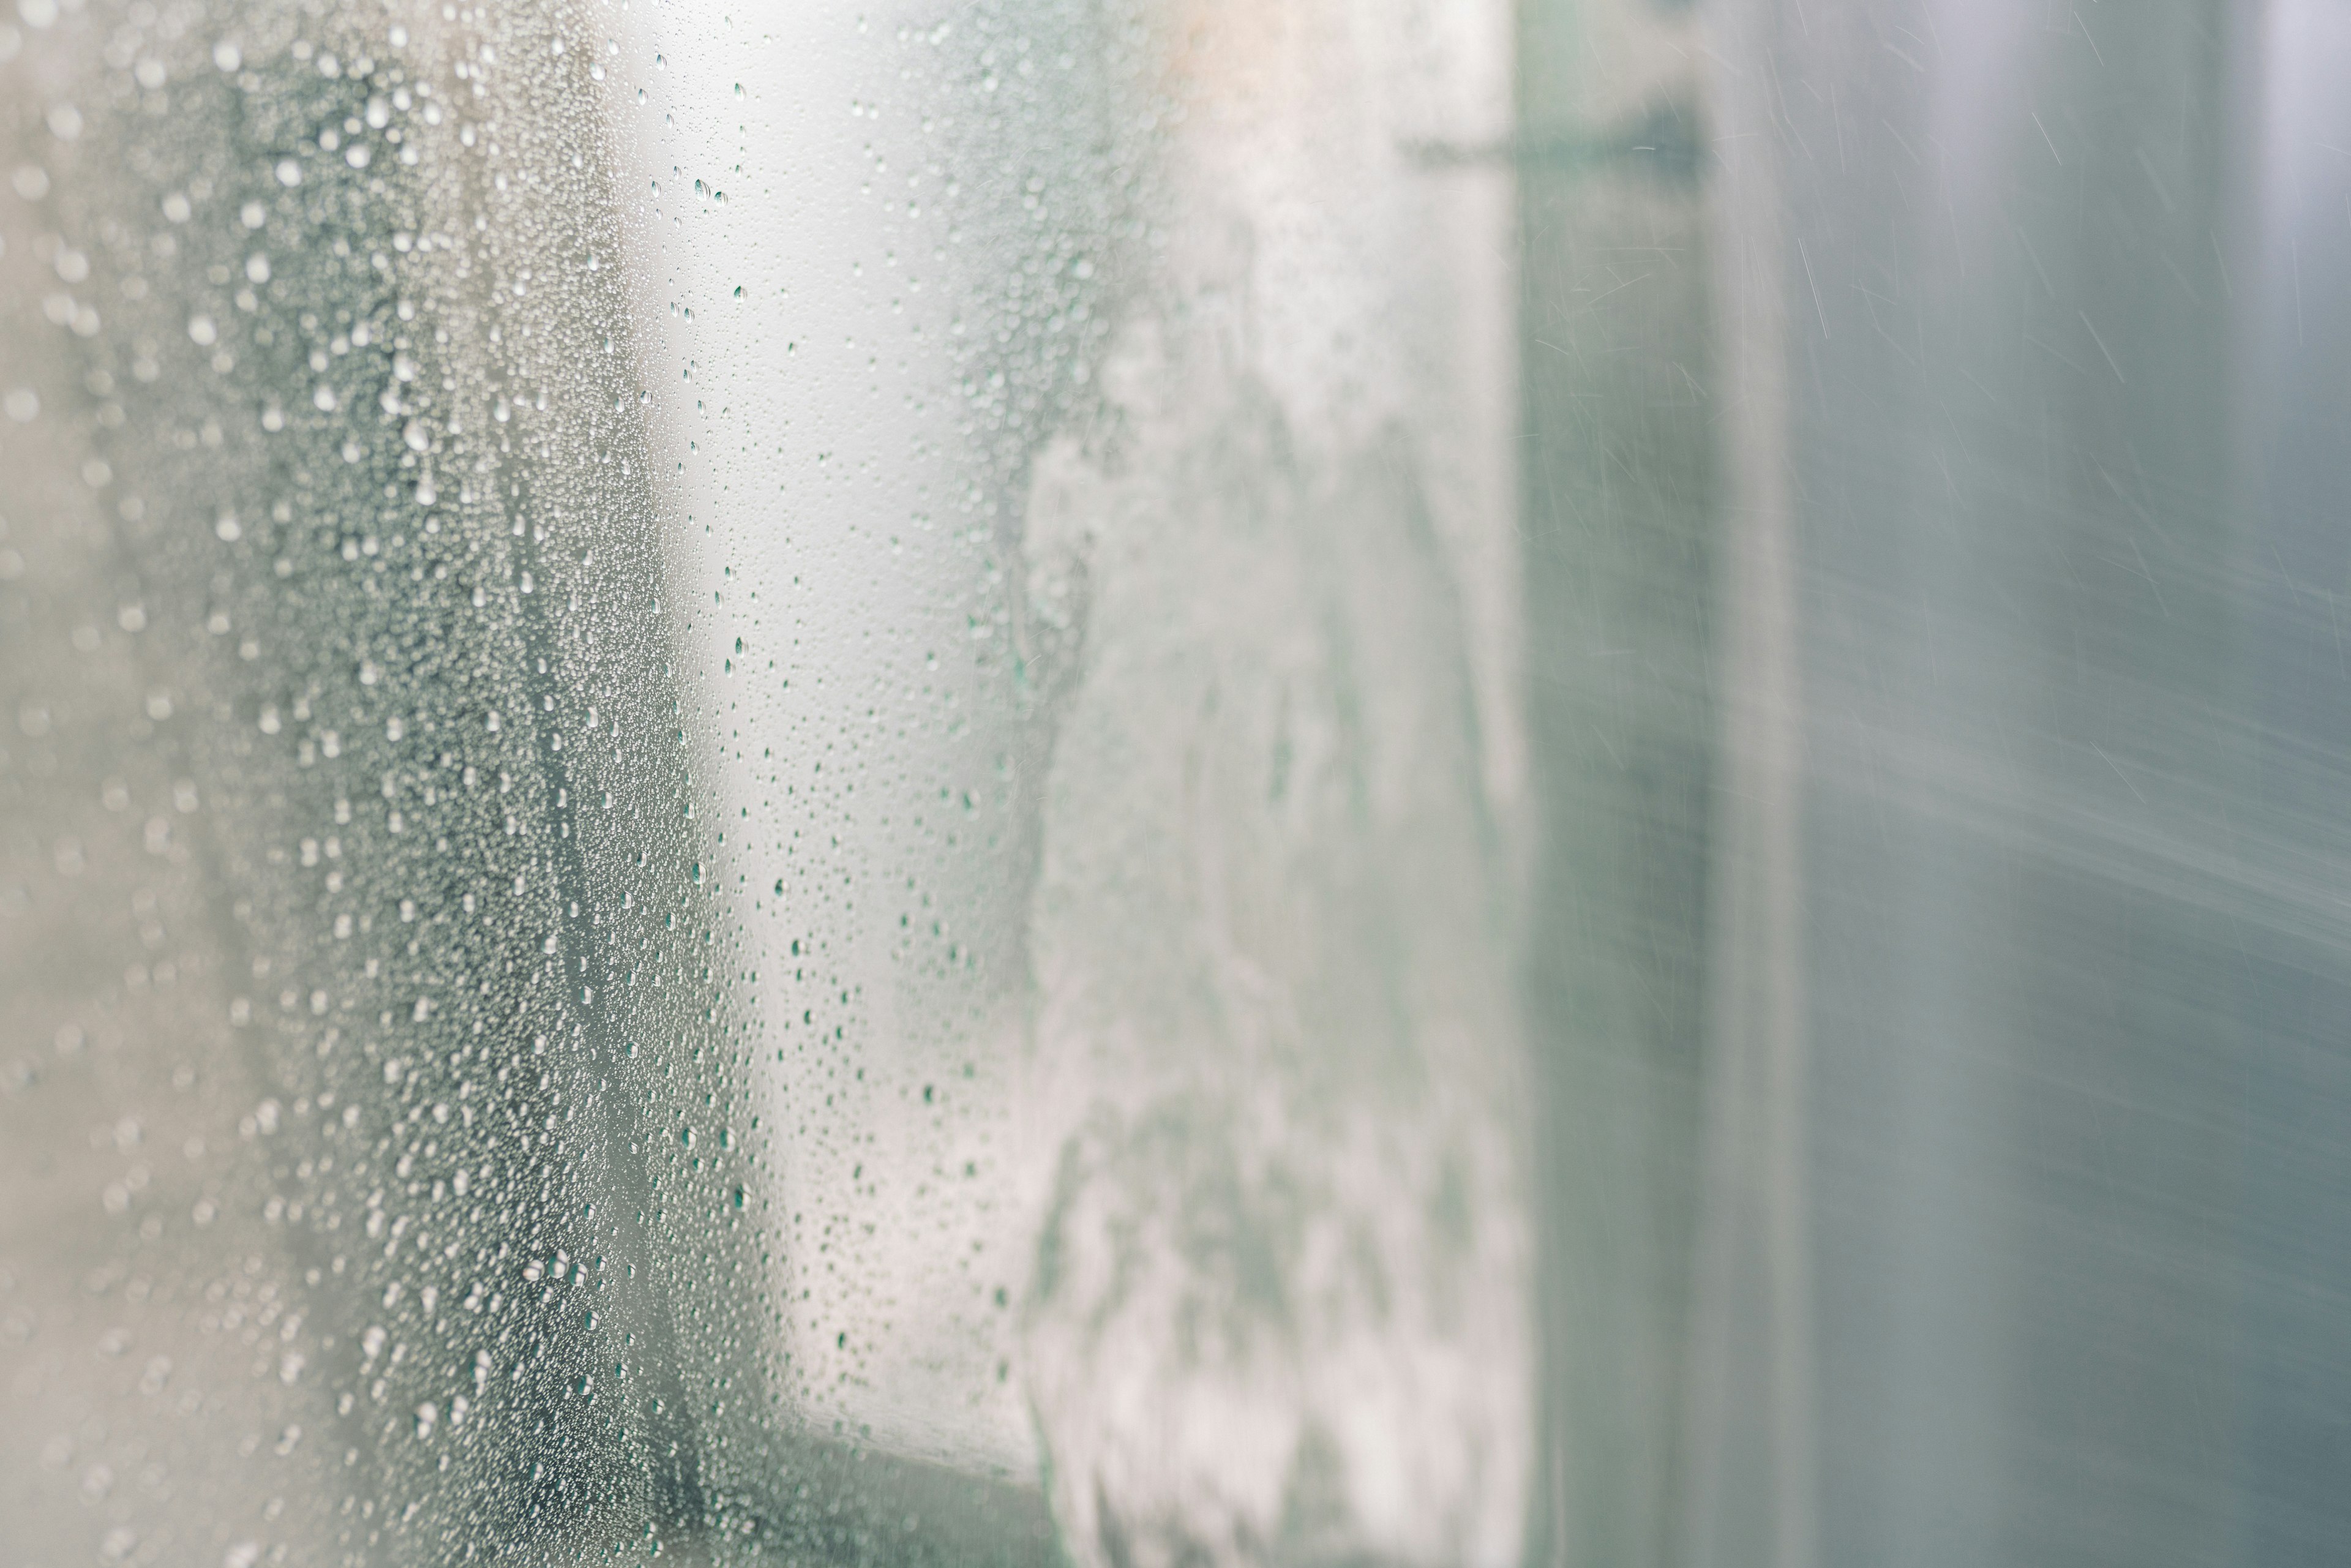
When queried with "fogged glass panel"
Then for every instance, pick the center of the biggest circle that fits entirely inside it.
(1172, 782)
(765, 793)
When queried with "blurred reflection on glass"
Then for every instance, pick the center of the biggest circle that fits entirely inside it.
(1978, 598)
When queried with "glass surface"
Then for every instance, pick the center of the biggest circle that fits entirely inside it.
(762, 797)
(1172, 782)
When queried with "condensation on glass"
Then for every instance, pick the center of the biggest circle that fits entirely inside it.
(762, 790)
(1170, 782)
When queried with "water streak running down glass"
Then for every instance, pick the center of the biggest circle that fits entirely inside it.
(1169, 782)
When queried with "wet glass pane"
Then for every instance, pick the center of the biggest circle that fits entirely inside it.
(765, 787)
(1152, 783)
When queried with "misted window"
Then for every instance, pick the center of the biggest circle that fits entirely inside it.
(1167, 782)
